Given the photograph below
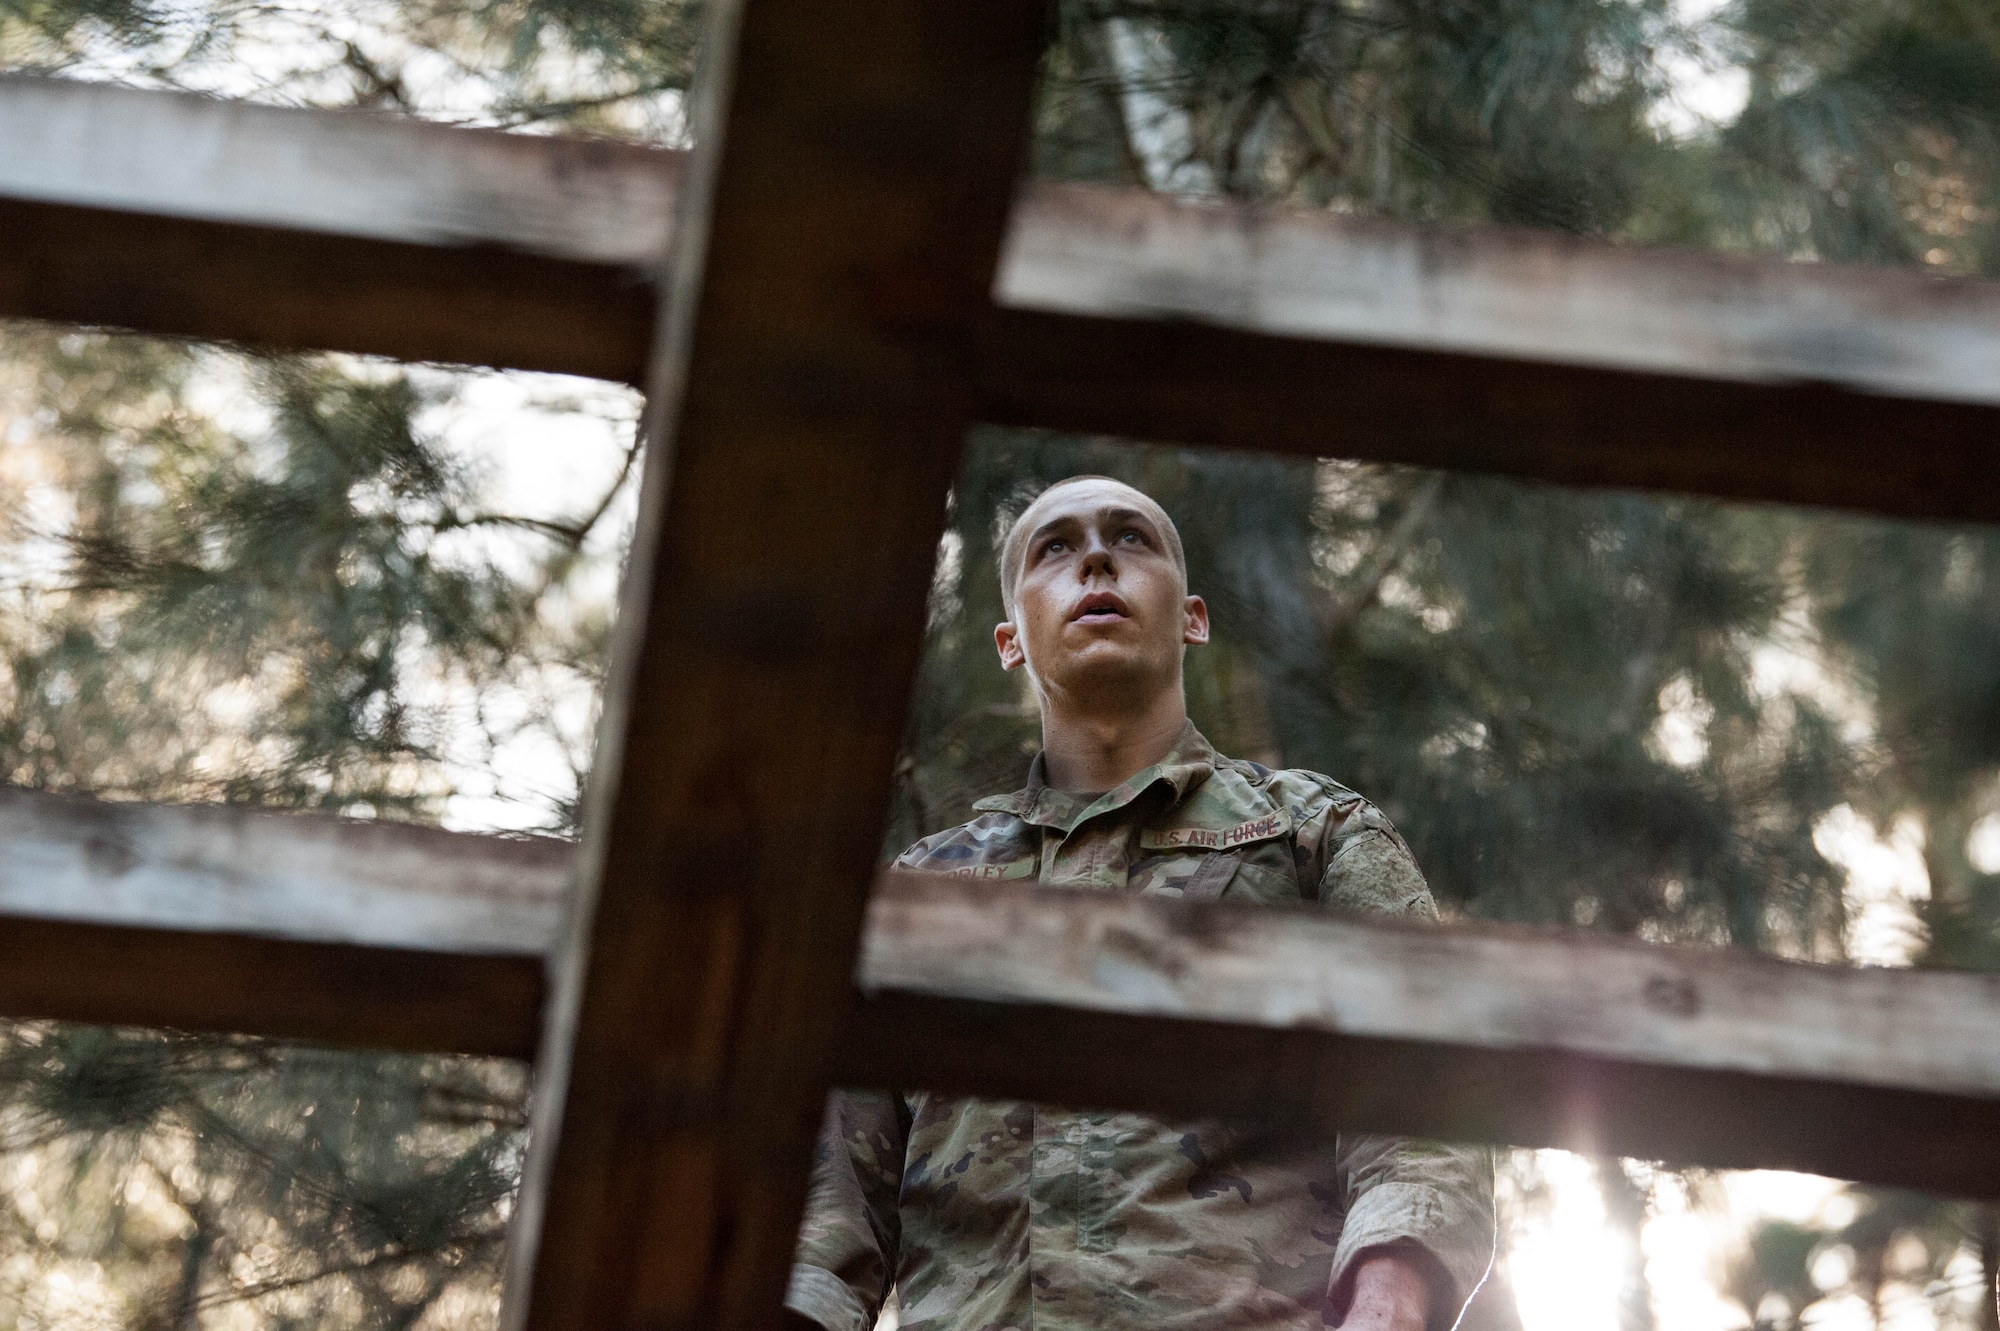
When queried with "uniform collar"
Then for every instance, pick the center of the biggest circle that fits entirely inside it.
(1185, 767)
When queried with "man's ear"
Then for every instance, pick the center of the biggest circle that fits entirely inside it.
(1197, 622)
(1007, 639)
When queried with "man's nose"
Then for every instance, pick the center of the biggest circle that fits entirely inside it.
(1096, 557)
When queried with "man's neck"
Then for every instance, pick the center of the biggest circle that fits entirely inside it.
(1097, 752)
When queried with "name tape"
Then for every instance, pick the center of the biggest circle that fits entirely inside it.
(1012, 869)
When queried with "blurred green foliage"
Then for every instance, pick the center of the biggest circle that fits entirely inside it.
(141, 1166)
(592, 66)
(313, 609)
(1623, 712)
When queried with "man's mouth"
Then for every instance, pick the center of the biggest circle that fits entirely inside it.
(1099, 608)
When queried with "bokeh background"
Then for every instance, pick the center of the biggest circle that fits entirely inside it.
(331, 583)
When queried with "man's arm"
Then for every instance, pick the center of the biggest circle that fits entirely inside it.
(1395, 1289)
(848, 1241)
(1419, 1230)
(1419, 1215)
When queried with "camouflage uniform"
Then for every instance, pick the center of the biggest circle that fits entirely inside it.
(990, 1215)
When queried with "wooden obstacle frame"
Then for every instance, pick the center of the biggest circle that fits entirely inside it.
(819, 300)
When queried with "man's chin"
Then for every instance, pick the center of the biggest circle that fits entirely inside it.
(1112, 673)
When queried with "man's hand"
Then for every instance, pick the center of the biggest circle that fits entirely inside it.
(1392, 1292)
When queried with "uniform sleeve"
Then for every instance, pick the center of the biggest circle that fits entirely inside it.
(846, 1258)
(1369, 868)
(1401, 1191)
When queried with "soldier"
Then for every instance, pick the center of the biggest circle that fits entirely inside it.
(987, 1215)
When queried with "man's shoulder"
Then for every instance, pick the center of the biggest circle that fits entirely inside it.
(1297, 789)
(992, 845)
(1352, 850)
(1320, 809)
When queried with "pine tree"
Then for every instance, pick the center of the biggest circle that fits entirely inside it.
(292, 616)
(1557, 695)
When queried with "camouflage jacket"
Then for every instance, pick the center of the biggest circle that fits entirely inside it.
(986, 1215)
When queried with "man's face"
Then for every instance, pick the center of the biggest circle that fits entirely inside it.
(1101, 614)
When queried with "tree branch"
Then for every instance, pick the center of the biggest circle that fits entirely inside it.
(1387, 556)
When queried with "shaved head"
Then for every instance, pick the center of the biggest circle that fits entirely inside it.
(1014, 548)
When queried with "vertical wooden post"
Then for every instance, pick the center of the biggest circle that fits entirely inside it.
(811, 388)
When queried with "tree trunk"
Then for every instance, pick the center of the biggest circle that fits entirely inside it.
(1987, 1219)
(1625, 1204)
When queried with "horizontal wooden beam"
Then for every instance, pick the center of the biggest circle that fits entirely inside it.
(358, 174)
(301, 876)
(1464, 1032)
(232, 983)
(1813, 444)
(301, 291)
(1325, 1081)
(1468, 984)
(1121, 312)
(1522, 353)
(1503, 293)
(286, 925)
(1470, 1031)
(345, 231)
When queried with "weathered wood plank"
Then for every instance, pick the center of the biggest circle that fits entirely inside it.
(1477, 985)
(1467, 1032)
(1503, 293)
(1126, 313)
(288, 290)
(316, 878)
(1514, 352)
(323, 993)
(1194, 384)
(1070, 249)
(812, 389)
(357, 174)
(1327, 1082)
(342, 231)
(1480, 1032)
(297, 926)
(301, 876)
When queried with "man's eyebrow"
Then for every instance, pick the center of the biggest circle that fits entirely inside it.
(1115, 514)
(1047, 527)
(1128, 514)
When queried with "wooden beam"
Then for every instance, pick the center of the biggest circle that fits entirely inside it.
(1467, 1032)
(1471, 984)
(358, 174)
(1697, 1056)
(1521, 353)
(300, 291)
(283, 875)
(1327, 1082)
(1508, 294)
(1191, 384)
(1123, 312)
(231, 983)
(286, 925)
(348, 231)
(1119, 254)
(813, 385)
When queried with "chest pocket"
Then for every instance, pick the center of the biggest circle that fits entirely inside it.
(1212, 875)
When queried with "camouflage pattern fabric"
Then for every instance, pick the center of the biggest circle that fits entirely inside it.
(987, 1215)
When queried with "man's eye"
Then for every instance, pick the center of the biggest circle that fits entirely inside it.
(1133, 537)
(1055, 547)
